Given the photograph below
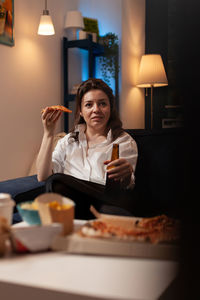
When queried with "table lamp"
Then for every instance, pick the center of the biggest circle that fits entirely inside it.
(74, 20)
(46, 25)
(151, 74)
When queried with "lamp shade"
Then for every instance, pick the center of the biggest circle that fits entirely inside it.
(46, 25)
(74, 19)
(152, 71)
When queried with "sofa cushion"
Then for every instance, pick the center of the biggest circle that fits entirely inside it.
(158, 172)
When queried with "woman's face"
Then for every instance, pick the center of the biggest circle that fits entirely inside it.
(95, 109)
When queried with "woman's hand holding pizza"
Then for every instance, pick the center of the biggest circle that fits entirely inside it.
(49, 119)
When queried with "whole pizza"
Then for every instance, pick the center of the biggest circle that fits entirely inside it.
(155, 230)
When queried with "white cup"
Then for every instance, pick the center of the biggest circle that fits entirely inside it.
(6, 207)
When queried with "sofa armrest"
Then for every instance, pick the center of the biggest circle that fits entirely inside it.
(20, 185)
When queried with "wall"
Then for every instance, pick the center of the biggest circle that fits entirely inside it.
(31, 73)
(129, 24)
(108, 21)
(133, 47)
(30, 79)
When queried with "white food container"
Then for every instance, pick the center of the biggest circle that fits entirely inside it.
(6, 207)
(34, 238)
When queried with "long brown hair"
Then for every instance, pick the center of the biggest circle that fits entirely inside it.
(114, 122)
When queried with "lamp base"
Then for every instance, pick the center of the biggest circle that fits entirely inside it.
(72, 34)
(151, 106)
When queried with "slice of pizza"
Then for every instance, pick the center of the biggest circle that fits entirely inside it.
(157, 229)
(161, 228)
(59, 107)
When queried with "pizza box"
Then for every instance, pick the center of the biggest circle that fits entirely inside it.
(75, 243)
(85, 245)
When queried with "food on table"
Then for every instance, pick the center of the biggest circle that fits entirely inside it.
(4, 227)
(156, 229)
(4, 236)
(30, 206)
(59, 107)
(54, 208)
(157, 222)
(58, 206)
(29, 212)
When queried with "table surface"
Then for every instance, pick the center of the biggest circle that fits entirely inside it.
(59, 274)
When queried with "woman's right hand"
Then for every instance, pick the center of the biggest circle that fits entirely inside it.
(49, 119)
(44, 160)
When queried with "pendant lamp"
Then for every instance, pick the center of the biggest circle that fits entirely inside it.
(46, 25)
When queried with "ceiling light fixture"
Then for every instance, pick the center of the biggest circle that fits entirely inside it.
(46, 25)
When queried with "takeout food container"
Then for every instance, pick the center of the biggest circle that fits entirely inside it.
(102, 242)
(50, 214)
(28, 214)
(34, 238)
(6, 207)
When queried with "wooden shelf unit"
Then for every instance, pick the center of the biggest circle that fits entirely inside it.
(94, 50)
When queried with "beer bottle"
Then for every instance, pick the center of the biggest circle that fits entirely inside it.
(115, 154)
(111, 185)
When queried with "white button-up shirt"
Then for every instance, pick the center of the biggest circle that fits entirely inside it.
(73, 157)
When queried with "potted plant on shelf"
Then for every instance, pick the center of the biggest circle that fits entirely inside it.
(109, 64)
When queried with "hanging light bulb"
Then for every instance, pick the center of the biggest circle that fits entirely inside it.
(46, 25)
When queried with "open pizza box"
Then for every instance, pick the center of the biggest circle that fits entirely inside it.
(97, 245)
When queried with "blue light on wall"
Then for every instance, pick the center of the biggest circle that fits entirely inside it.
(84, 65)
(109, 20)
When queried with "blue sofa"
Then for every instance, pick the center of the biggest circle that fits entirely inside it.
(158, 174)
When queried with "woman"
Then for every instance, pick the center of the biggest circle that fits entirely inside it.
(80, 160)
